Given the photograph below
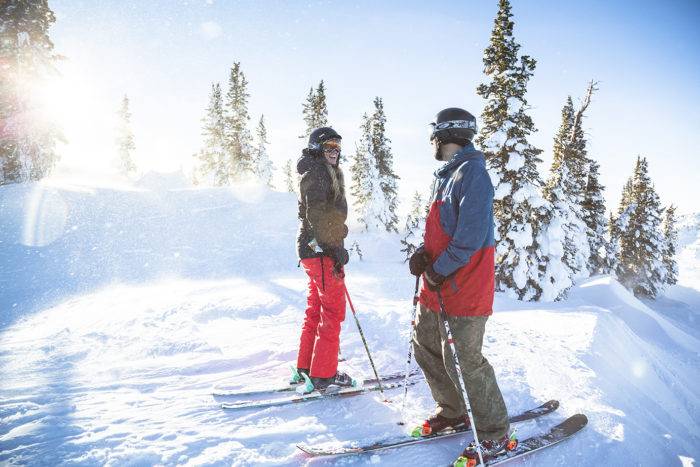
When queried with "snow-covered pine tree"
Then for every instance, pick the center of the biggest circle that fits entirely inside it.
(559, 190)
(263, 164)
(640, 263)
(528, 235)
(670, 233)
(239, 142)
(566, 186)
(125, 139)
(315, 110)
(364, 178)
(415, 226)
(594, 216)
(374, 180)
(27, 141)
(289, 179)
(618, 225)
(613, 247)
(212, 167)
(384, 161)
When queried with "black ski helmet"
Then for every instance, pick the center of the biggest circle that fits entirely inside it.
(453, 125)
(321, 135)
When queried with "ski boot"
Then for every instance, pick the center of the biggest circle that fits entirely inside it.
(490, 448)
(438, 423)
(297, 375)
(332, 384)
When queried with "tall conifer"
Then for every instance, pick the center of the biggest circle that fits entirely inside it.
(289, 179)
(670, 233)
(263, 164)
(27, 140)
(641, 267)
(528, 260)
(238, 138)
(315, 110)
(374, 181)
(125, 139)
(212, 166)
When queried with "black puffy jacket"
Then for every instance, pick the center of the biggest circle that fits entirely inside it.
(322, 215)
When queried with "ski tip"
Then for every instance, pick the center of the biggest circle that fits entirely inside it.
(578, 419)
(552, 404)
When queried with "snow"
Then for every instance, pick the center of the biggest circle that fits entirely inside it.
(515, 161)
(123, 309)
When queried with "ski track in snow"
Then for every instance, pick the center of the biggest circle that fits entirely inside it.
(123, 310)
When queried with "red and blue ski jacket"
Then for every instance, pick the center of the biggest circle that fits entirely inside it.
(459, 236)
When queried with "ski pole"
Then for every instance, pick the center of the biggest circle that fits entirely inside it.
(364, 341)
(460, 377)
(410, 352)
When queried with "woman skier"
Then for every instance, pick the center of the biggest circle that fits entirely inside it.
(323, 210)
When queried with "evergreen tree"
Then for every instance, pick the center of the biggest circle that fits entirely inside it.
(618, 225)
(263, 165)
(415, 226)
(364, 188)
(594, 216)
(640, 263)
(125, 140)
(528, 260)
(27, 141)
(384, 161)
(670, 233)
(212, 165)
(566, 187)
(238, 139)
(289, 179)
(374, 180)
(315, 110)
(559, 191)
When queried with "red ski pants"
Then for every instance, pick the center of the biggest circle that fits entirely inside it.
(325, 311)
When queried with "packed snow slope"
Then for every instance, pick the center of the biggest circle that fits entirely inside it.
(122, 309)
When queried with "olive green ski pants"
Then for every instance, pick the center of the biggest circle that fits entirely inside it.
(434, 356)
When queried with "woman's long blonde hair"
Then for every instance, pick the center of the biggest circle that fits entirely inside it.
(337, 180)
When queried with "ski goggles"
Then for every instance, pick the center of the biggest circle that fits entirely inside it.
(433, 127)
(331, 146)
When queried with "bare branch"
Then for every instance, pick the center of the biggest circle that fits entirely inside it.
(592, 87)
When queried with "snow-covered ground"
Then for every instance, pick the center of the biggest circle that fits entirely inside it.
(123, 308)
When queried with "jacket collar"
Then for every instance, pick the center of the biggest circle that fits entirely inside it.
(468, 152)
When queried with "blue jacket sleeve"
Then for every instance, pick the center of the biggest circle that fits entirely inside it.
(475, 204)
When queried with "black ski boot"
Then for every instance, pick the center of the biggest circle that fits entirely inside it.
(490, 448)
(438, 423)
(334, 383)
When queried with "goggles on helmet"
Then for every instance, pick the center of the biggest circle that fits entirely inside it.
(435, 127)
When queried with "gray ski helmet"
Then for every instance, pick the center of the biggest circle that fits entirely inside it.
(320, 135)
(453, 125)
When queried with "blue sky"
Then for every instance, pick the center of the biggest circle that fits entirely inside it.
(418, 56)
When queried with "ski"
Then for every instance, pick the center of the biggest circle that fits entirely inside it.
(316, 395)
(291, 387)
(406, 440)
(556, 434)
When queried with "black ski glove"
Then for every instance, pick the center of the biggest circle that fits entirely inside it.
(418, 261)
(340, 258)
(432, 279)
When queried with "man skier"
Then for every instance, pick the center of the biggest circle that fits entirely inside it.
(456, 261)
